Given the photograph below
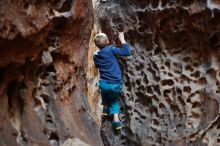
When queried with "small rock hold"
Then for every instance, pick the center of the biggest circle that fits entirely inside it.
(74, 142)
(46, 59)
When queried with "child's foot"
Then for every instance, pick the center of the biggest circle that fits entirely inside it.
(105, 111)
(116, 125)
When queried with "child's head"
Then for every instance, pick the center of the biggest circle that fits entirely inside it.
(101, 40)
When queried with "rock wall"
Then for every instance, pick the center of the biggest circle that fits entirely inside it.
(43, 60)
(171, 94)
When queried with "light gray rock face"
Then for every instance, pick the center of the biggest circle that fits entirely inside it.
(172, 78)
(74, 142)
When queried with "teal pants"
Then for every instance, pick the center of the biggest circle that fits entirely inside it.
(110, 96)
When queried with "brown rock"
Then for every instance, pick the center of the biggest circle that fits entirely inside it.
(43, 48)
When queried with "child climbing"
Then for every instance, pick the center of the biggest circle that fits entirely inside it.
(110, 83)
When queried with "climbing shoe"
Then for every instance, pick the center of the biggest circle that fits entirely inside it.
(116, 125)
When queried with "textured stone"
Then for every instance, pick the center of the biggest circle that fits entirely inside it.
(43, 59)
(46, 58)
(172, 79)
(74, 142)
(171, 94)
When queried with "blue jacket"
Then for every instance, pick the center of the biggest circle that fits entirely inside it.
(105, 60)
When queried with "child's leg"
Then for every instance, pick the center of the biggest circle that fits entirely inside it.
(116, 118)
(114, 107)
(105, 110)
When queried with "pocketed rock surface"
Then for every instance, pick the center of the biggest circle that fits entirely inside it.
(43, 60)
(172, 80)
(172, 88)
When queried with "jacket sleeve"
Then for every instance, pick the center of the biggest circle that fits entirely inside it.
(125, 50)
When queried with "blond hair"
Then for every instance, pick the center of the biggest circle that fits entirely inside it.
(101, 40)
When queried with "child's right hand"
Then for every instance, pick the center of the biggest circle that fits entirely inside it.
(121, 37)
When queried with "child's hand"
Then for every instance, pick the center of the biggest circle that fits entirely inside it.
(121, 37)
